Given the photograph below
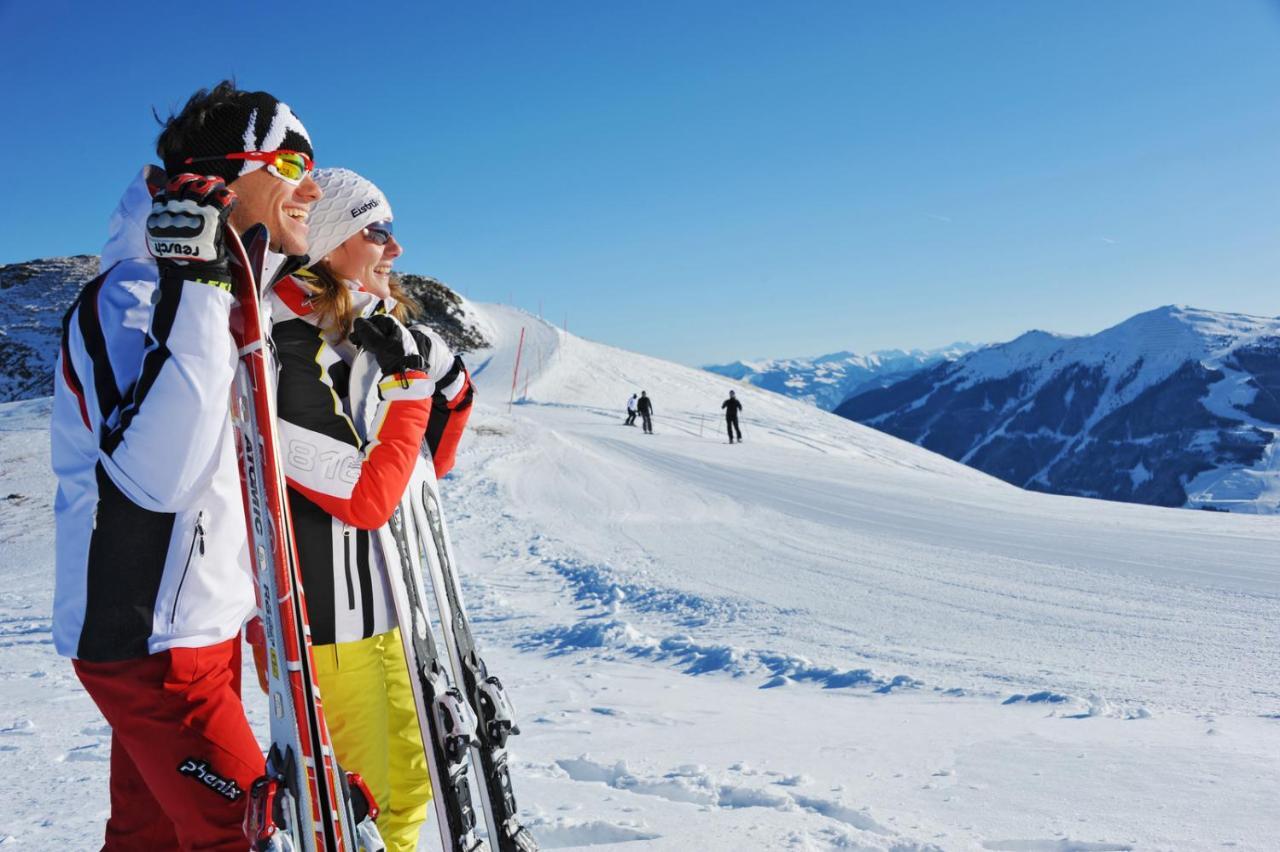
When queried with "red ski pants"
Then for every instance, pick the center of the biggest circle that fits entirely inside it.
(182, 754)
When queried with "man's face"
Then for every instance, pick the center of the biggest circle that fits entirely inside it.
(267, 200)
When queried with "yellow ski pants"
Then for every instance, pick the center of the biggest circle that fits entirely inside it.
(368, 704)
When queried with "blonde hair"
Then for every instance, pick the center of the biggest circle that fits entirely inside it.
(332, 303)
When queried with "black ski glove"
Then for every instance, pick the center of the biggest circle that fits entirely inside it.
(389, 341)
(423, 342)
(184, 230)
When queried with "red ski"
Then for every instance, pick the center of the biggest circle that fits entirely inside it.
(304, 802)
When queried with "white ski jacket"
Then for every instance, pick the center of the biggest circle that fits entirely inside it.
(345, 482)
(151, 545)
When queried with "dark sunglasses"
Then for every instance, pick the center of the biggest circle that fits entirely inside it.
(379, 233)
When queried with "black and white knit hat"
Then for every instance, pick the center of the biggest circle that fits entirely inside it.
(350, 203)
(253, 121)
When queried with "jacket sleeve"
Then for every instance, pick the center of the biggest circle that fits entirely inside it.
(359, 483)
(450, 410)
(160, 440)
(451, 402)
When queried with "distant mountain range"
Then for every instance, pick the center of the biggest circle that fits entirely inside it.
(1173, 407)
(828, 380)
(36, 293)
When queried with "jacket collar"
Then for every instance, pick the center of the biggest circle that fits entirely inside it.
(291, 298)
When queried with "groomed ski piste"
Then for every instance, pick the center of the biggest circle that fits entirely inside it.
(823, 638)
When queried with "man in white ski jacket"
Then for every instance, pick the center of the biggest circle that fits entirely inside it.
(153, 581)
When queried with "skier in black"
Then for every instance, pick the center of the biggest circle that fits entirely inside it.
(731, 408)
(645, 406)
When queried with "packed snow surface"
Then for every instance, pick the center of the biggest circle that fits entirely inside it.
(823, 638)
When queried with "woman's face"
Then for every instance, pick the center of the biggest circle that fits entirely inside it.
(360, 258)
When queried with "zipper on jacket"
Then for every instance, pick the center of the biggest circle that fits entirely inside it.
(346, 559)
(197, 540)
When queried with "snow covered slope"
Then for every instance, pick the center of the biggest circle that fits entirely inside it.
(1173, 407)
(828, 380)
(824, 638)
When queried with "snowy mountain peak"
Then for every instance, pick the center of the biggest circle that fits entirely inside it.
(1219, 332)
(1190, 330)
(1155, 342)
(827, 380)
(1028, 348)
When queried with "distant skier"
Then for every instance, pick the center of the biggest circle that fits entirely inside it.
(631, 411)
(731, 408)
(645, 406)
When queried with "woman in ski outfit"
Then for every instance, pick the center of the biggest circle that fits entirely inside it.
(343, 487)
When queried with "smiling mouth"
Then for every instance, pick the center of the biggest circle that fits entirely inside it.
(299, 216)
(382, 269)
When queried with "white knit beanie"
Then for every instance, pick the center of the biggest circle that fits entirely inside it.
(350, 203)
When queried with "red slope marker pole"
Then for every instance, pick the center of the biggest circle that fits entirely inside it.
(515, 374)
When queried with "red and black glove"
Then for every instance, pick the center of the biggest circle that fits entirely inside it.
(184, 230)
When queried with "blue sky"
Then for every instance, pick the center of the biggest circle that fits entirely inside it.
(706, 181)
